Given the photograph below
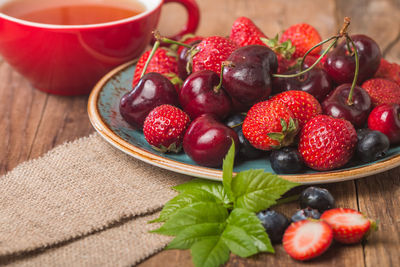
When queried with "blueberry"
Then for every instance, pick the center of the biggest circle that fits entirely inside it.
(246, 151)
(286, 160)
(372, 146)
(304, 214)
(275, 224)
(316, 198)
(361, 133)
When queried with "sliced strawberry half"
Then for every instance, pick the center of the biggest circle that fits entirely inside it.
(307, 239)
(349, 226)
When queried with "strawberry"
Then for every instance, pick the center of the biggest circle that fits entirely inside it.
(269, 125)
(164, 62)
(245, 32)
(382, 91)
(307, 239)
(211, 52)
(390, 71)
(303, 105)
(327, 143)
(165, 127)
(303, 37)
(349, 226)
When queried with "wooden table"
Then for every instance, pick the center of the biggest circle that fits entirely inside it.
(33, 122)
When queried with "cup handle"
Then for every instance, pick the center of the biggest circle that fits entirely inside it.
(193, 17)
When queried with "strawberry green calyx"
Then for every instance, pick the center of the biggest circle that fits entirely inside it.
(373, 228)
(287, 135)
(285, 49)
(171, 148)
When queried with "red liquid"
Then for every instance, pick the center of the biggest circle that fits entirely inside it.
(79, 13)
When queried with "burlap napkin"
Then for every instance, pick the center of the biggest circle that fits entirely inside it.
(83, 204)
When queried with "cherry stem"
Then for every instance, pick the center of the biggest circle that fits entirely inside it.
(159, 38)
(218, 87)
(236, 125)
(350, 98)
(312, 48)
(153, 51)
(312, 66)
(346, 24)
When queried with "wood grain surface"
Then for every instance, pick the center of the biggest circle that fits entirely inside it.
(33, 122)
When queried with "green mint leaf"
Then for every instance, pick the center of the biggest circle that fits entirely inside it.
(183, 200)
(215, 188)
(256, 190)
(211, 252)
(238, 241)
(194, 214)
(252, 226)
(227, 168)
(187, 237)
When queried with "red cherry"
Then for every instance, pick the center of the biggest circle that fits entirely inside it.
(207, 141)
(386, 119)
(336, 105)
(340, 64)
(152, 90)
(200, 94)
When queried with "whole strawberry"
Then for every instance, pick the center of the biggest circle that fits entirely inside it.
(211, 52)
(382, 91)
(303, 105)
(165, 127)
(349, 226)
(269, 125)
(245, 32)
(390, 71)
(164, 62)
(303, 37)
(327, 143)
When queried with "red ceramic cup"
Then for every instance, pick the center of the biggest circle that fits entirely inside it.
(69, 60)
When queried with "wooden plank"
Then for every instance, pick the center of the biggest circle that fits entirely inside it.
(379, 197)
(21, 109)
(64, 119)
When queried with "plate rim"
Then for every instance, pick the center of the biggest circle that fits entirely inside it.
(207, 173)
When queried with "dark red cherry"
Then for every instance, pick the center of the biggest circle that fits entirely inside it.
(336, 105)
(315, 82)
(247, 76)
(200, 94)
(152, 90)
(207, 141)
(183, 59)
(340, 64)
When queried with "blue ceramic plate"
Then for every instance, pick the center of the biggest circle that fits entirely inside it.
(103, 108)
